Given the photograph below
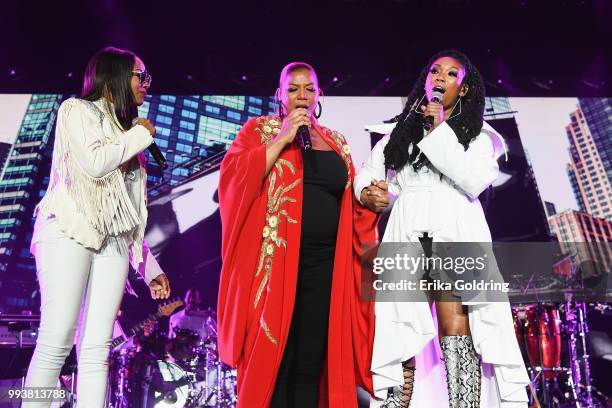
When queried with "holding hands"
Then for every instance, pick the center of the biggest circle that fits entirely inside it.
(376, 196)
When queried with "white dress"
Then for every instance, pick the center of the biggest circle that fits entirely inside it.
(448, 209)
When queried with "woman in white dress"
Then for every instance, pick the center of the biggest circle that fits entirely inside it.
(437, 176)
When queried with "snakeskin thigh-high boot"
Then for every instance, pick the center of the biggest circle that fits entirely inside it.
(462, 371)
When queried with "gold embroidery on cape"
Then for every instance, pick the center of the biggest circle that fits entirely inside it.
(263, 283)
(271, 241)
(280, 162)
(268, 127)
(345, 150)
(266, 330)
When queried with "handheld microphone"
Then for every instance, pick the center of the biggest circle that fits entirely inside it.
(155, 152)
(436, 96)
(304, 137)
(303, 134)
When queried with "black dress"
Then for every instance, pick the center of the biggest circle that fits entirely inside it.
(297, 383)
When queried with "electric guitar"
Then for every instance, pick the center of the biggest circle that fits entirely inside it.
(163, 310)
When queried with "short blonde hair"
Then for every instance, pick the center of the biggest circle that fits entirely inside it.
(296, 66)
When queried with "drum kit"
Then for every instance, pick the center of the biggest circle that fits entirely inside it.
(184, 371)
(553, 339)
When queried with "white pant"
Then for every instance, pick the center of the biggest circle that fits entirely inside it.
(72, 277)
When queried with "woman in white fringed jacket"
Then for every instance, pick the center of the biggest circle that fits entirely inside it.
(90, 223)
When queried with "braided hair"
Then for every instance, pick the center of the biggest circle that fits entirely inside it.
(409, 129)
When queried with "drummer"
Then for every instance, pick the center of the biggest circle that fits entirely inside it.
(193, 318)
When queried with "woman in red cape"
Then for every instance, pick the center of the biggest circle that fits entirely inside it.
(273, 306)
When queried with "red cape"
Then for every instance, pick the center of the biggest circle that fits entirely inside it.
(261, 218)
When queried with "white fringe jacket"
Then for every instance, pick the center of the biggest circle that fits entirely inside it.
(87, 193)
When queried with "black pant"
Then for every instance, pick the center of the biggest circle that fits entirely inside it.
(299, 375)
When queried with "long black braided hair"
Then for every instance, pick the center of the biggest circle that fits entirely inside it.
(409, 129)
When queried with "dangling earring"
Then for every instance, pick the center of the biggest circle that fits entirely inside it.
(320, 110)
(418, 104)
(458, 113)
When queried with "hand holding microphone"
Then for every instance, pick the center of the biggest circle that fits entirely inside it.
(298, 119)
(153, 149)
(146, 123)
(434, 111)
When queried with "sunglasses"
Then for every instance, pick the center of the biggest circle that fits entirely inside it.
(143, 77)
